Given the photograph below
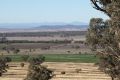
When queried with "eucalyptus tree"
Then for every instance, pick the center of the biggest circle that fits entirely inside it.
(106, 34)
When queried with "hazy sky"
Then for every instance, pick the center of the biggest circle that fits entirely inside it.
(35, 11)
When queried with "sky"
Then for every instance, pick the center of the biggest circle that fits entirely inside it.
(37, 11)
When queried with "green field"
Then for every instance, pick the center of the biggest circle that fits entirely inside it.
(83, 58)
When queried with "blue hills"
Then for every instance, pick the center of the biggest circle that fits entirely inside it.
(75, 26)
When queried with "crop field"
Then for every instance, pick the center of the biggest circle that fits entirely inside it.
(73, 71)
(83, 58)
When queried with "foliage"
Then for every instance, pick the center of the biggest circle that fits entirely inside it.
(25, 57)
(16, 51)
(3, 64)
(84, 58)
(22, 64)
(107, 37)
(37, 71)
(36, 60)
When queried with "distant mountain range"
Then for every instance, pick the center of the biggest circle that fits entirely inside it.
(36, 27)
(62, 27)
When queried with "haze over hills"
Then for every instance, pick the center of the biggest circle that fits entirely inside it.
(36, 27)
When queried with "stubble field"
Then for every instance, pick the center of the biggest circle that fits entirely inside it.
(88, 71)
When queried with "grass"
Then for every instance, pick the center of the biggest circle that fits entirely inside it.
(71, 58)
(83, 58)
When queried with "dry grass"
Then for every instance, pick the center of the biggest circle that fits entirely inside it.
(88, 71)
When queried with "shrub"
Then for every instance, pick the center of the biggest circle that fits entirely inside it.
(3, 64)
(25, 57)
(80, 53)
(7, 59)
(63, 72)
(22, 64)
(36, 60)
(16, 51)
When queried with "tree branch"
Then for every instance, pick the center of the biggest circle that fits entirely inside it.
(97, 7)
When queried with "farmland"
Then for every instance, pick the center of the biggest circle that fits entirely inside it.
(88, 71)
(45, 36)
(62, 52)
(83, 58)
(51, 40)
(48, 38)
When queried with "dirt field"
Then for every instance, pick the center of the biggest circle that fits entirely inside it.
(76, 38)
(47, 48)
(88, 71)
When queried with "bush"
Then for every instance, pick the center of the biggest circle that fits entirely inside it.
(25, 57)
(3, 64)
(22, 64)
(7, 59)
(36, 60)
(16, 51)
(80, 53)
(63, 72)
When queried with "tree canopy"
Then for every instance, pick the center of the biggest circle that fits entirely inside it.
(106, 35)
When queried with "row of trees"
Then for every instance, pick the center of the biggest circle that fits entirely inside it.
(44, 34)
(106, 34)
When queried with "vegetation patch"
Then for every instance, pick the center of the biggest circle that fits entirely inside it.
(84, 58)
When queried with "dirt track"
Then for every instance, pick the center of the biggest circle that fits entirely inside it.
(88, 71)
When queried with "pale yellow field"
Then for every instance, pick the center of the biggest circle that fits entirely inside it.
(88, 71)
